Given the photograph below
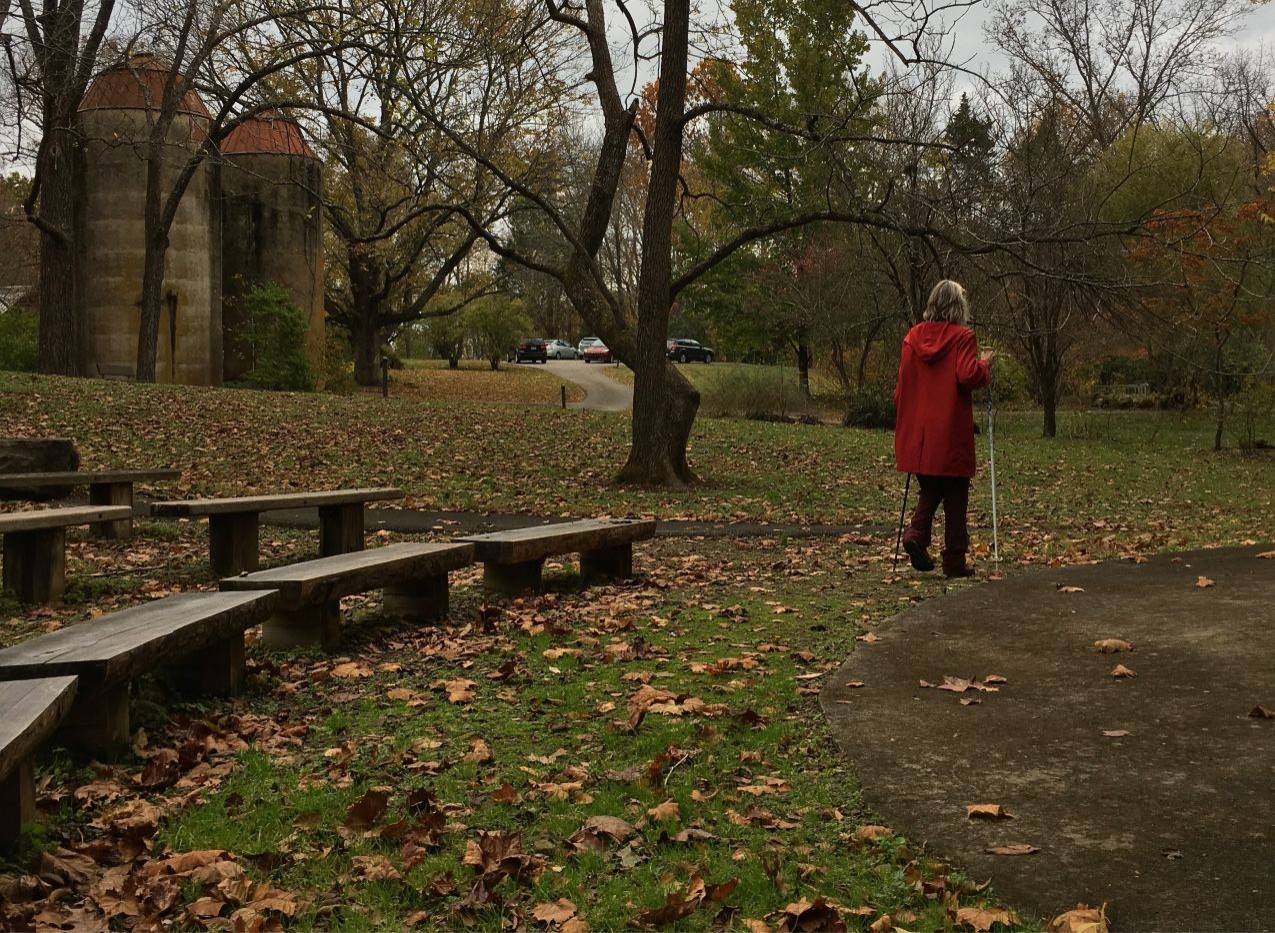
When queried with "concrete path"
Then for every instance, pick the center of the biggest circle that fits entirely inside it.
(602, 393)
(1171, 821)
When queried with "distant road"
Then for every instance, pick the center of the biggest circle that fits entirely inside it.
(602, 393)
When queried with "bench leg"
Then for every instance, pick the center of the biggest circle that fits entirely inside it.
(17, 802)
(35, 565)
(217, 670)
(112, 494)
(611, 563)
(419, 601)
(340, 529)
(311, 625)
(98, 723)
(232, 543)
(512, 579)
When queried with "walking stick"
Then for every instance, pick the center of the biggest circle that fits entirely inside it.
(903, 511)
(991, 461)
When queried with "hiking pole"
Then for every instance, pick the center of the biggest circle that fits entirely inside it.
(991, 460)
(903, 511)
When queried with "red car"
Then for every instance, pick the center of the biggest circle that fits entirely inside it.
(597, 353)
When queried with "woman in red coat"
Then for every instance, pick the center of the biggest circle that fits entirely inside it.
(934, 423)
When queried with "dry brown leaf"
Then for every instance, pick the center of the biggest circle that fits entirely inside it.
(1013, 848)
(666, 812)
(982, 919)
(1261, 712)
(352, 669)
(816, 915)
(457, 690)
(479, 753)
(987, 811)
(1081, 919)
(374, 868)
(1116, 733)
(1121, 671)
(1267, 555)
(870, 831)
(1112, 645)
(1068, 589)
(558, 912)
(1203, 582)
(367, 809)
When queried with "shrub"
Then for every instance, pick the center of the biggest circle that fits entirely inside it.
(870, 407)
(19, 339)
(274, 334)
(758, 392)
(338, 364)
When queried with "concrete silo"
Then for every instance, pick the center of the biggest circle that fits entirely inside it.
(114, 123)
(272, 228)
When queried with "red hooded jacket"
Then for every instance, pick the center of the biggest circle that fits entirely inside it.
(934, 413)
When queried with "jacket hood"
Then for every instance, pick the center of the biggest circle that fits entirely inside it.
(930, 340)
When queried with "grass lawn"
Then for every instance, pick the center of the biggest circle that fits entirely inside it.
(649, 753)
(476, 381)
(742, 388)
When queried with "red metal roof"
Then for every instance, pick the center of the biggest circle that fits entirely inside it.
(267, 133)
(137, 84)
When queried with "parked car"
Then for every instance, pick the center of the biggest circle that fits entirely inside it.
(585, 343)
(597, 352)
(561, 350)
(684, 351)
(532, 349)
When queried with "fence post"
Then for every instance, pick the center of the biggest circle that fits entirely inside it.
(564, 395)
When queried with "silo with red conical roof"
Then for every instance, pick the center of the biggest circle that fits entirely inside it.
(116, 116)
(272, 228)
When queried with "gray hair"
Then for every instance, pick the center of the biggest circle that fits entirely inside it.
(949, 303)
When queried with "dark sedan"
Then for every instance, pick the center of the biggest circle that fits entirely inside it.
(532, 350)
(686, 351)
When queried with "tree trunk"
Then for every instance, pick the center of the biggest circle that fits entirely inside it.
(1049, 403)
(453, 361)
(365, 337)
(60, 331)
(803, 367)
(664, 403)
(152, 266)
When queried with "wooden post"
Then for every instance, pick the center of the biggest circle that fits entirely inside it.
(310, 625)
(232, 543)
(341, 529)
(112, 494)
(564, 396)
(98, 722)
(612, 563)
(512, 579)
(17, 801)
(216, 670)
(385, 377)
(35, 565)
(419, 601)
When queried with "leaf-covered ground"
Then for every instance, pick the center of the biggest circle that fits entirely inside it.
(651, 753)
(1111, 483)
(476, 381)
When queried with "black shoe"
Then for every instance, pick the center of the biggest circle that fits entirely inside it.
(919, 556)
(964, 572)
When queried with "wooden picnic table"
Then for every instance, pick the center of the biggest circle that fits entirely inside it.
(106, 487)
(35, 547)
(233, 523)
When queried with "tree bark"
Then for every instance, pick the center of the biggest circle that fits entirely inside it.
(1049, 404)
(60, 329)
(803, 367)
(152, 264)
(365, 337)
(664, 403)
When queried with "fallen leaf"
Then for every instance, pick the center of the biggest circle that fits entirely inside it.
(1116, 733)
(816, 915)
(1112, 645)
(558, 912)
(987, 811)
(666, 812)
(1081, 919)
(1068, 589)
(1267, 555)
(981, 919)
(871, 831)
(1121, 671)
(1014, 848)
(374, 868)
(677, 906)
(367, 809)
(1203, 582)
(856, 684)
(1261, 712)
(352, 669)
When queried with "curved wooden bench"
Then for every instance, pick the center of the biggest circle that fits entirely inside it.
(233, 523)
(30, 711)
(513, 560)
(106, 487)
(413, 576)
(35, 547)
(199, 635)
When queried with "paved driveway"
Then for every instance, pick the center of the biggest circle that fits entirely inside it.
(602, 393)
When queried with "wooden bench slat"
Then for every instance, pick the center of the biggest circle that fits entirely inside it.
(329, 578)
(42, 519)
(540, 541)
(114, 648)
(191, 508)
(86, 477)
(30, 711)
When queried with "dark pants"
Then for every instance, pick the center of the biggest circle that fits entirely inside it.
(953, 493)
